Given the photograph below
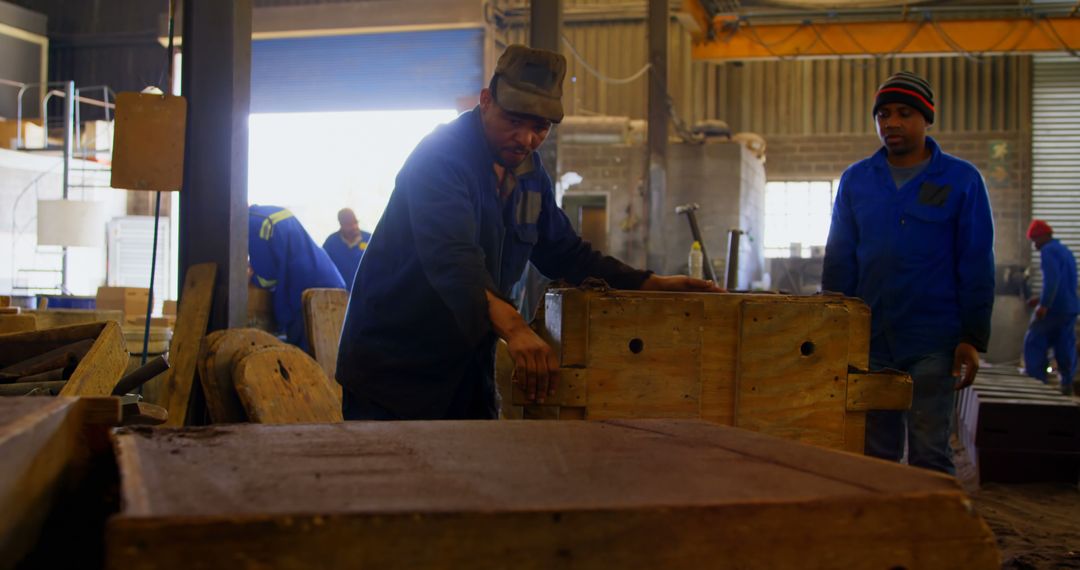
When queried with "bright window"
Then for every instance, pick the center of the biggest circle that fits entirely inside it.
(797, 216)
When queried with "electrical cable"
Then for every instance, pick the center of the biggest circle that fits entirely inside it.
(1061, 42)
(596, 73)
(157, 199)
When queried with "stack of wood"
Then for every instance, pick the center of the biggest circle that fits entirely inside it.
(250, 375)
(1019, 430)
(84, 360)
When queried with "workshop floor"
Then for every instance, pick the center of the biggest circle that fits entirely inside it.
(1037, 525)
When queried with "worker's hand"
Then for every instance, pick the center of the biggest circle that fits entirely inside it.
(965, 365)
(536, 369)
(679, 283)
(1041, 312)
(1033, 302)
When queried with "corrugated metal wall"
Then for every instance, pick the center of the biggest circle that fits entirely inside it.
(780, 97)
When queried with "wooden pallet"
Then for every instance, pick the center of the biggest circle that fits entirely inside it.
(458, 494)
(795, 367)
(1018, 430)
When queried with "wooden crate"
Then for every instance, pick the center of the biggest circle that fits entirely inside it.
(794, 367)
(1018, 430)
(458, 494)
(98, 371)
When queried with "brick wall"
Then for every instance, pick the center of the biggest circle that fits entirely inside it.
(1003, 158)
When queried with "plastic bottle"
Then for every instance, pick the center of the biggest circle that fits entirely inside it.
(696, 269)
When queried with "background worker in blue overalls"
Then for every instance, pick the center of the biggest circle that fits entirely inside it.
(346, 246)
(285, 260)
(1054, 323)
(913, 236)
(470, 207)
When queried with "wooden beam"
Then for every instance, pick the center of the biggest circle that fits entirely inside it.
(745, 40)
(658, 26)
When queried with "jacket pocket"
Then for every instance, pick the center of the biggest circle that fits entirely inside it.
(927, 230)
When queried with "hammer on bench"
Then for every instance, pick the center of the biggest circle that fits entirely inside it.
(689, 209)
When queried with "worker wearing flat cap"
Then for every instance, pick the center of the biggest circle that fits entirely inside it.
(471, 206)
(1053, 325)
(913, 236)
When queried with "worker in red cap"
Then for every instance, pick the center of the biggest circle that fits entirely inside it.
(1054, 323)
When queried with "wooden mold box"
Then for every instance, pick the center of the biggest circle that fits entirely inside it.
(794, 367)
(473, 494)
(97, 372)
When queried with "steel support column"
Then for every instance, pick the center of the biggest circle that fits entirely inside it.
(545, 32)
(659, 18)
(216, 80)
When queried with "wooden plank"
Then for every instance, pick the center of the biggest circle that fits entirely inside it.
(283, 385)
(42, 442)
(57, 358)
(221, 351)
(102, 367)
(324, 315)
(566, 319)
(17, 323)
(193, 315)
(882, 390)
(809, 354)
(626, 494)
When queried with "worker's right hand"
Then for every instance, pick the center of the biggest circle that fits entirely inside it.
(536, 368)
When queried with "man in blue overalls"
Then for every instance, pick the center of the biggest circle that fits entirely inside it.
(346, 246)
(1054, 322)
(912, 235)
(285, 259)
(470, 207)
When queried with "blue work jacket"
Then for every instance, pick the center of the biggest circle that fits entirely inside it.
(346, 257)
(922, 255)
(417, 334)
(1059, 279)
(285, 260)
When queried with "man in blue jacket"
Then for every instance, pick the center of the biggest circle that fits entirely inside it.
(1054, 321)
(346, 246)
(470, 207)
(285, 259)
(912, 235)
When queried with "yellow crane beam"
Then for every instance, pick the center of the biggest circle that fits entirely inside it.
(737, 39)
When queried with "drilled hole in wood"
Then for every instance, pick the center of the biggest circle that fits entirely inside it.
(637, 345)
(807, 348)
(282, 370)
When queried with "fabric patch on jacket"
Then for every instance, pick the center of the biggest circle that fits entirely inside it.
(931, 194)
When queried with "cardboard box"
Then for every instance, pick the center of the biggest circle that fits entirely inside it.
(131, 300)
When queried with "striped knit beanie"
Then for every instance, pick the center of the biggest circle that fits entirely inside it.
(907, 88)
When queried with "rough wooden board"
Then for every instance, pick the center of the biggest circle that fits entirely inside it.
(41, 440)
(17, 323)
(633, 494)
(52, 318)
(666, 370)
(222, 351)
(283, 385)
(191, 321)
(102, 367)
(782, 390)
(324, 315)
